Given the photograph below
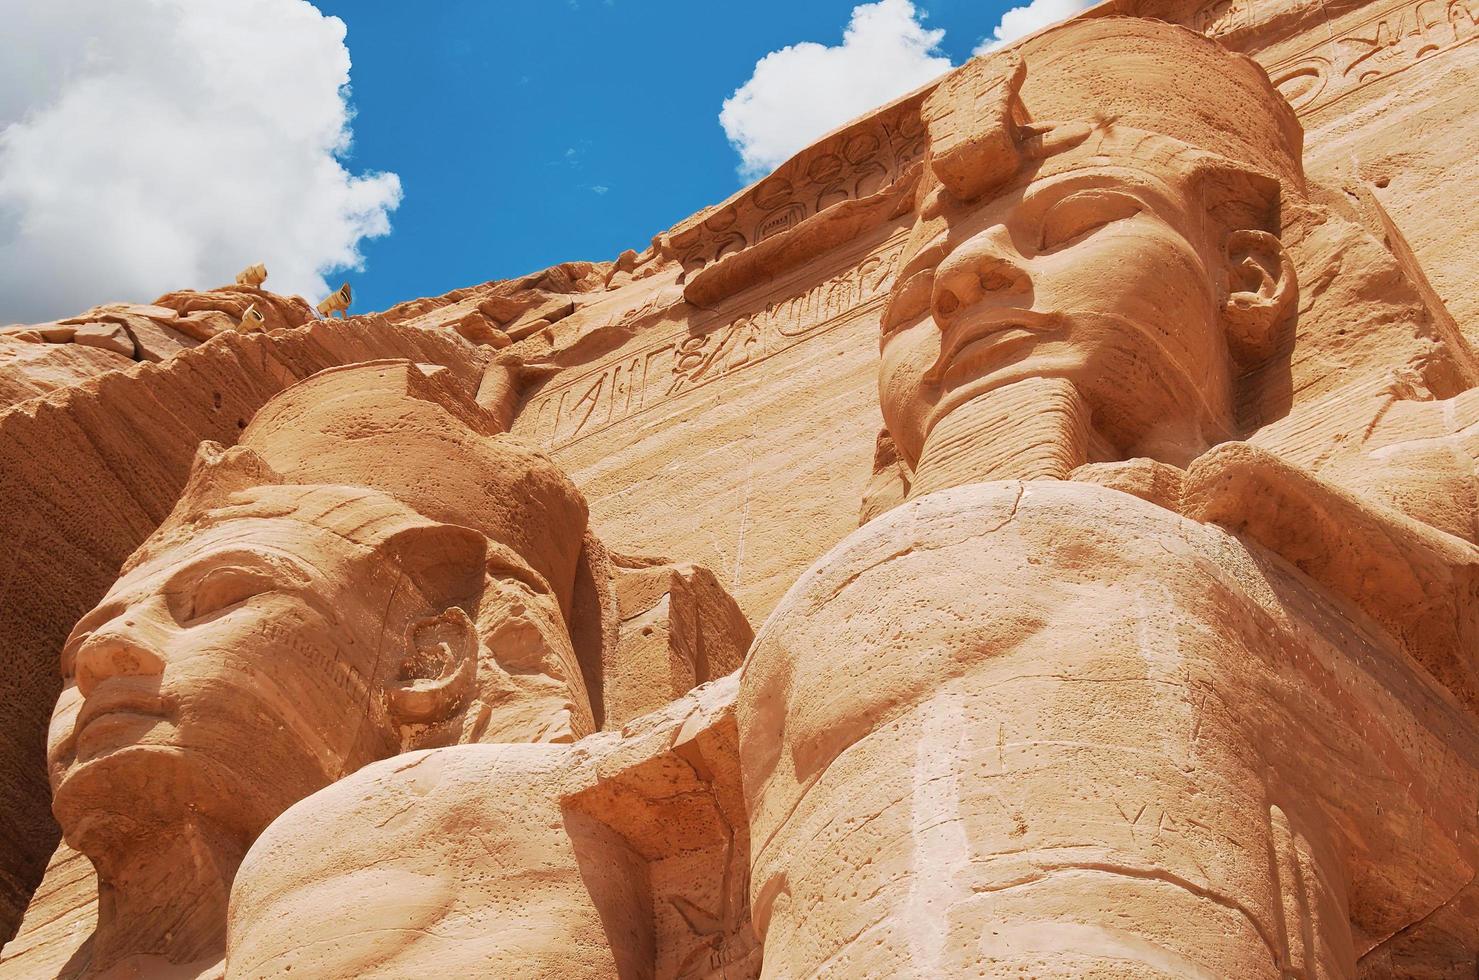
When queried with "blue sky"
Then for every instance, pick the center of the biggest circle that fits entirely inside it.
(526, 133)
(153, 145)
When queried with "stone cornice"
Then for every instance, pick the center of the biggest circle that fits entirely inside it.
(852, 179)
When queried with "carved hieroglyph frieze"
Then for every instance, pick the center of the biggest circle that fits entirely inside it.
(1380, 46)
(853, 163)
(688, 359)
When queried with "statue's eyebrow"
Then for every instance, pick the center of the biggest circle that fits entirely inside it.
(1034, 196)
(285, 570)
(1081, 179)
(926, 258)
(1064, 183)
(99, 614)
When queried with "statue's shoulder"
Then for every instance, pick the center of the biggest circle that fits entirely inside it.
(974, 529)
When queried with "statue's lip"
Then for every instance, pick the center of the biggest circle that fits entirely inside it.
(124, 701)
(977, 326)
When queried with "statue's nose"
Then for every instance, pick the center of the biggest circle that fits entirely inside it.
(115, 650)
(984, 265)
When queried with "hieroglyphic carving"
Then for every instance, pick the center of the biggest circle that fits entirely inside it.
(1380, 46)
(1222, 17)
(692, 358)
(852, 164)
(700, 358)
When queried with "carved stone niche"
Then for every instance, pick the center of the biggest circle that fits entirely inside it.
(678, 628)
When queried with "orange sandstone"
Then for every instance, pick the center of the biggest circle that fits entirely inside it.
(1143, 352)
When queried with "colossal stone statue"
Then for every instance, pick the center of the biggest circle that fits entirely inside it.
(1121, 261)
(373, 570)
(1047, 728)
(236, 669)
(1154, 653)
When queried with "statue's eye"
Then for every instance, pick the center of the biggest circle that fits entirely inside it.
(222, 588)
(1080, 215)
(908, 300)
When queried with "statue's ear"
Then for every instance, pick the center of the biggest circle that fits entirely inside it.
(438, 675)
(1261, 287)
(445, 566)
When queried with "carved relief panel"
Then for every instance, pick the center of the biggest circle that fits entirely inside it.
(850, 165)
(1380, 46)
(738, 337)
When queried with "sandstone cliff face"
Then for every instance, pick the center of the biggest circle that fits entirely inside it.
(33, 368)
(716, 400)
(45, 356)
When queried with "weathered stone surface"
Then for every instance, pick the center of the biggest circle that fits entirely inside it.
(33, 367)
(1085, 727)
(621, 855)
(679, 629)
(138, 332)
(105, 336)
(280, 311)
(1154, 653)
(1280, 681)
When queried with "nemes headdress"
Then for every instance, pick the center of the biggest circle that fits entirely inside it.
(357, 447)
(1106, 88)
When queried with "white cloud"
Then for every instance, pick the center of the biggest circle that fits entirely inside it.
(1022, 21)
(800, 92)
(149, 145)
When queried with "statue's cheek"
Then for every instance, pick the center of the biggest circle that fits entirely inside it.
(61, 735)
(904, 395)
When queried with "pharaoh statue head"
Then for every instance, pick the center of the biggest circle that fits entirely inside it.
(374, 568)
(1095, 255)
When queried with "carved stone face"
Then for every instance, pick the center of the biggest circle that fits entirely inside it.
(1099, 273)
(227, 676)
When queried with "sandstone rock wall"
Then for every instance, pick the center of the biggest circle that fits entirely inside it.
(43, 357)
(715, 395)
(748, 426)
